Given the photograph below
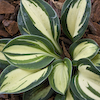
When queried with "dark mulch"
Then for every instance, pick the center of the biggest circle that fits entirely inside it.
(9, 28)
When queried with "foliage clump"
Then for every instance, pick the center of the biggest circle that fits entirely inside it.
(32, 62)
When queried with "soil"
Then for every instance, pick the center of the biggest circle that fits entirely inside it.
(9, 28)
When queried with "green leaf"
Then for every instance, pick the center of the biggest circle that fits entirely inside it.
(86, 84)
(21, 23)
(29, 52)
(41, 92)
(15, 80)
(84, 48)
(45, 23)
(59, 78)
(75, 17)
(60, 97)
(3, 60)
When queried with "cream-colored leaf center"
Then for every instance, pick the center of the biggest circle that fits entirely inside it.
(61, 77)
(75, 16)
(19, 79)
(84, 50)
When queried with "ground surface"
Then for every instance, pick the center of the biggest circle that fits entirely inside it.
(9, 28)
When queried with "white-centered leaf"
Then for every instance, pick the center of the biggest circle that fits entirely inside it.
(29, 52)
(69, 95)
(44, 23)
(40, 19)
(87, 82)
(96, 60)
(15, 80)
(84, 48)
(60, 76)
(75, 17)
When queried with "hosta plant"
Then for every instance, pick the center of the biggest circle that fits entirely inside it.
(33, 63)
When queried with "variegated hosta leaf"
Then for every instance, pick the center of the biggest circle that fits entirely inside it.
(59, 78)
(86, 84)
(15, 80)
(3, 60)
(75, 17)
(41, 92)
(29, 52)
(84, 48)
(44, 23)
(96, 60)
(68, 96)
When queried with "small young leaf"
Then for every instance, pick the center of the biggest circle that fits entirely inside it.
(96, 60)
(15, 80)
(29, 52)
(3, 60)
(68, 96)
(75, 17)
(84, 48)
(86, 84)
(41, 92)
(59, 78)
